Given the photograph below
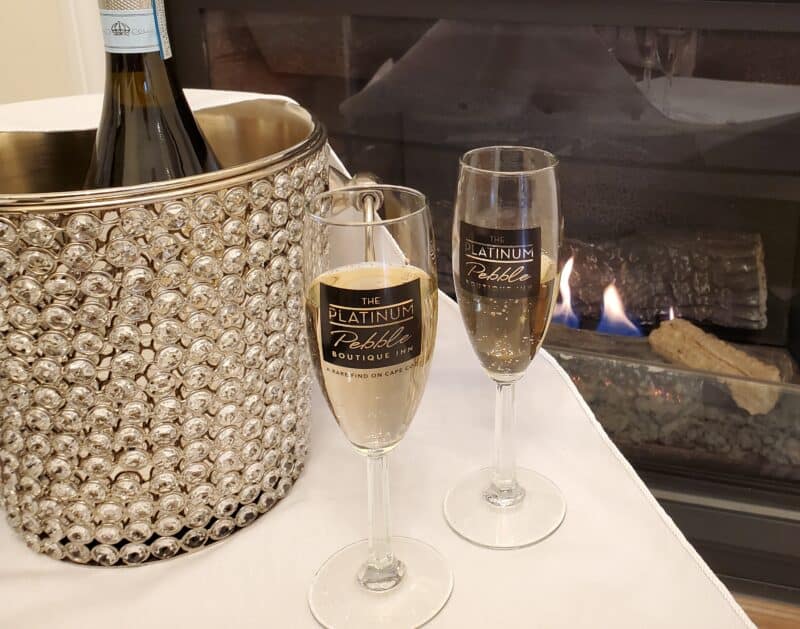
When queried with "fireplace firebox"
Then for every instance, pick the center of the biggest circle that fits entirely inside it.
(678, 127)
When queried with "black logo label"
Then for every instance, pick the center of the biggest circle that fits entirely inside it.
(365, 329)
(500, 262)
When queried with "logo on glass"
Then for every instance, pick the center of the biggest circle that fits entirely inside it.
(365, 329)
(500, 262)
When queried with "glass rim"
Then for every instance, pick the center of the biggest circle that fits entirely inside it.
(378, 222)
(551, 158)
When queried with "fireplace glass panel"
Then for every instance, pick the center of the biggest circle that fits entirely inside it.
(680, 183)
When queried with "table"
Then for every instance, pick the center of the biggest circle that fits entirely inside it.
(617, 560)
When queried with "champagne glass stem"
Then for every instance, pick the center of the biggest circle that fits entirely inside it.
(667, 88)
(382, 570)
(504, 491)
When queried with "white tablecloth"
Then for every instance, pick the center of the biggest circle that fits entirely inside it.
(617, 561)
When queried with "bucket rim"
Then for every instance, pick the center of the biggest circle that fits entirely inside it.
(162, 191)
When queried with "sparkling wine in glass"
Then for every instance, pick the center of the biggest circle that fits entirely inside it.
(371, 313)
(505, 245)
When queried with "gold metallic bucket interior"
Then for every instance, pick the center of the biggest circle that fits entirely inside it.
(47, 169)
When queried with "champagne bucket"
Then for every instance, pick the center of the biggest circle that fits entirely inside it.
(154, 374)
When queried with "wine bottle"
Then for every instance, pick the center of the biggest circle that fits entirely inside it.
(147, 132)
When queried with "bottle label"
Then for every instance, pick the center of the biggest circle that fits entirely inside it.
(502, 263)
(365, 329)
(136, 30)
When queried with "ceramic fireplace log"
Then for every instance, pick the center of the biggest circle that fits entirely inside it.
(711, 277)
(682, 342)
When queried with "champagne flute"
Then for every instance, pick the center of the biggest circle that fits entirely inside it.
(671, 46)
(505, 246)
(371, 313)
(646, 43)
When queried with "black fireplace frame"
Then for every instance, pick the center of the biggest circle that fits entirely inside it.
(749, 535)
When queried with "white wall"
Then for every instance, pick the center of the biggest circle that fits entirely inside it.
(49, 48)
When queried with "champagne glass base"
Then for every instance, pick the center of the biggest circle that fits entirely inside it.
(337, 599)
(534, 518)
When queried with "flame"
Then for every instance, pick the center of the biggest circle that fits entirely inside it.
(671, 313)
(563, 312)
(563, 284)
(614, 320)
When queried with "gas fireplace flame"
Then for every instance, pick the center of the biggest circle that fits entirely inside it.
(563, 312)
(614, 320)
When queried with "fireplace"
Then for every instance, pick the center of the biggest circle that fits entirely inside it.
(680, 192)
(671, 394)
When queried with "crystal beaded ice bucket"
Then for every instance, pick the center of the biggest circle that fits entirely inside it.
(154, 384)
